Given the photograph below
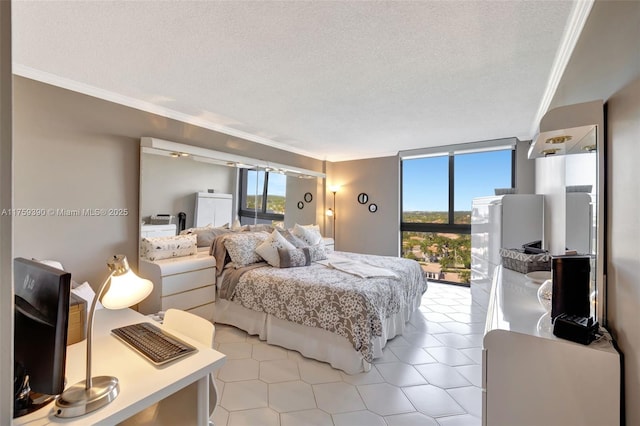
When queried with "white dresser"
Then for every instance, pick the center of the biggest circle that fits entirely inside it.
(504, 221)
(530, 377)
(186, 283)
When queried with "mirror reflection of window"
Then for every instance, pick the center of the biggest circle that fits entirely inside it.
(276, 193)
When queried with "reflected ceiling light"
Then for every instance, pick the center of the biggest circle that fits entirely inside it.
(559, 139)
(548, 152)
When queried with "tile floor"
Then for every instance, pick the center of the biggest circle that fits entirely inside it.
(429, 376)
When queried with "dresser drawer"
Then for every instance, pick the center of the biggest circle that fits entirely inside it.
(204, 311)
(178, 283)
(190, 299)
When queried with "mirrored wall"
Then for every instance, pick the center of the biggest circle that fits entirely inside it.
(175, 177)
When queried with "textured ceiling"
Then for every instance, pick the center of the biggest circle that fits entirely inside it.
(332, 80)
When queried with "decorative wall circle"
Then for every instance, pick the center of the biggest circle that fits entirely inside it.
(373, 208)
(300, 205)
(308, 197)
(363, 198)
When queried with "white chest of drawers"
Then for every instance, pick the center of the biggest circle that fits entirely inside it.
(186, 283)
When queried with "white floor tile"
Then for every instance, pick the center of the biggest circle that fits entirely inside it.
(313, 417)
(433, 401)
(470, 398)
(449, 356)
(463, 420)
(235, 370)
(370, 377)
(279, 370)
(235, 350)
(473, 373)
(244, 395)
(410, 419)
(412, 355)
(454, 340)
(359, 418)
(257, 417)
(442, 376)
(385, 399)
(401, 374)
(315, 372)
(264, 352)
(291, 396)
(267, 385)
(338, 397)
(229, 334)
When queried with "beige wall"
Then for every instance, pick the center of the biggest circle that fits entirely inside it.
(606, 65)
(357, 229)
(77, 152)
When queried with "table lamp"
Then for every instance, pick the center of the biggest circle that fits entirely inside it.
(126, 289)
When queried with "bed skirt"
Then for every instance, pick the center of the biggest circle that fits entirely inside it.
(311, 342)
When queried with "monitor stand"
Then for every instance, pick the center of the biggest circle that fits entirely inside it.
(25, 401)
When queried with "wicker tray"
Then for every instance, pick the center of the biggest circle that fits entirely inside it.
(525, 263)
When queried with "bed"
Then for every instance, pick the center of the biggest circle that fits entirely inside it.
(337, 307)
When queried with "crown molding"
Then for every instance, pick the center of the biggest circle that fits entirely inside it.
(573, 30)
(96, 92)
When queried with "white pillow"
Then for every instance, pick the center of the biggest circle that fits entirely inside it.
(167, 247)
(309, 234)
(241, 247)
(268, 250)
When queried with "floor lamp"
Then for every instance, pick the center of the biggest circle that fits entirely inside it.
(332, 212)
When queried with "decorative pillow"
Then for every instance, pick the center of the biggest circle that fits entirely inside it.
(268, 250)
(297, 242)
(167, 247)
(264, 227)
(206, 234)
(301, 256)
(309, 234)
(242, 246)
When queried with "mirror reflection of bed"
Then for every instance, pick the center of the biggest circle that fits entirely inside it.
(335, 307)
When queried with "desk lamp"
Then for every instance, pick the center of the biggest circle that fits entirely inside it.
(126, 289)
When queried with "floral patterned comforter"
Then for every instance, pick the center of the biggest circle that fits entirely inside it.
(336, 301)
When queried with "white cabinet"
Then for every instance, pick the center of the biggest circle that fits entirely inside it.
(505, 221)
(186, 283)
(531, 377)
(150, 231)
(213, 208)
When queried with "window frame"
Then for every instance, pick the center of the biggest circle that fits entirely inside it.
(451, 152)
(261, 213)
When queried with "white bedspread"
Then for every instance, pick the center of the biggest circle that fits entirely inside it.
(357, 268)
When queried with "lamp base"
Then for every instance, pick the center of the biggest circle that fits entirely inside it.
(78, 400)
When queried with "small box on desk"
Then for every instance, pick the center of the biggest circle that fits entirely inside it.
(77, 314)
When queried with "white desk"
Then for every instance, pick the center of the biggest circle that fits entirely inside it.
(141, 383)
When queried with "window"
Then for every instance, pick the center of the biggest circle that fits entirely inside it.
(437, 193)
(262, 196)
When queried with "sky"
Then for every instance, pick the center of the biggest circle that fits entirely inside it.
(425, 181)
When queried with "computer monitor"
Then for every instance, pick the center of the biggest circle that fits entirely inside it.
(41, 307)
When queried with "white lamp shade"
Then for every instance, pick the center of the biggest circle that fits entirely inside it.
(126, 290)
(329, 212)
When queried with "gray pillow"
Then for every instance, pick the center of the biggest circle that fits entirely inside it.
(301, 256)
